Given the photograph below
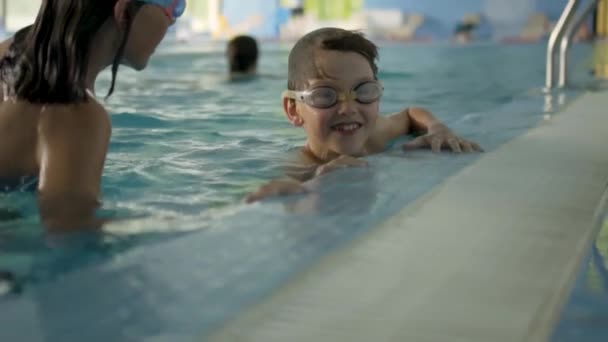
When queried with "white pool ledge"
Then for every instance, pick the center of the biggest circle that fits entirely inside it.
(489, 255)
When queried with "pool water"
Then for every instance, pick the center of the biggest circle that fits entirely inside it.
(185, 253)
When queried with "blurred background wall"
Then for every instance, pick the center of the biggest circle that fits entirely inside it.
(405, 20)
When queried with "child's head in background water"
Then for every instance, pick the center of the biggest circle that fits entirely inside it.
(242, 54)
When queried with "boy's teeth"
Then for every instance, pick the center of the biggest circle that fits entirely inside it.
(346, 127)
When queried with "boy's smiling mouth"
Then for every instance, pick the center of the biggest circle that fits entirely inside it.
(346, 127)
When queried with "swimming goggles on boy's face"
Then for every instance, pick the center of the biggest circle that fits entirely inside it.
(326, 96)
(172, 8)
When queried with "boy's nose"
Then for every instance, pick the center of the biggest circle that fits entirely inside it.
(346, 106)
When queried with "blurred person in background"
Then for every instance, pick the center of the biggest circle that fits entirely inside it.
(242, 54)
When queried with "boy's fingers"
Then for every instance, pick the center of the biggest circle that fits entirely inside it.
(252, 197)
(278, 188)
(477, 147)
(356, 163)
(292, 190)
(359, 162)
(466, 146)
(345, 161)
(454, 145)
(436, 145)
(258, 195)
(415, 143)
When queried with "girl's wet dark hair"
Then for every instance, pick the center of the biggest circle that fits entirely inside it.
(48, 61)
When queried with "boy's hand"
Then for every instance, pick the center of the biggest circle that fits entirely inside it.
(339, 163)
(284, 187)
(278, 187)
(439, 136)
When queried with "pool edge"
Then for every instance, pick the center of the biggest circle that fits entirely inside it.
(351, 315)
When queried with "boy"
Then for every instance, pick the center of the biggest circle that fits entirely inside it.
(334, 95)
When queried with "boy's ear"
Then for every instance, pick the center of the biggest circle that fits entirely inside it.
(120, 9)
(291, 112)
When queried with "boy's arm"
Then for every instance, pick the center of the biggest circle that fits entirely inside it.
(418, 120)
(297, 175)
(277, 187)
(407, 121)
(296, 172)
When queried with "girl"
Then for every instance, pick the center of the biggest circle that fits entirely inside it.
(53, 133)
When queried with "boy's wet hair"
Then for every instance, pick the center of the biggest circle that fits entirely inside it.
(302, 61)
(245, 53)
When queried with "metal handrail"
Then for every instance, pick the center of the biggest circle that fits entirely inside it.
(555, 36)
(565, 42)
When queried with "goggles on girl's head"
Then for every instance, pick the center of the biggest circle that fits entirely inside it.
(172, 8)
(326, 96)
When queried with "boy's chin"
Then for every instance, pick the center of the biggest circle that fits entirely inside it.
(352, 150)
